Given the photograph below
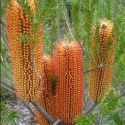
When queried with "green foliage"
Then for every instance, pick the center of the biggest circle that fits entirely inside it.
(111, 108)
(120, 70)
(53, 86)
(7, 116)
(108, 107)
(3, 5)
(24, 38)
(84, 120)
(117, 119)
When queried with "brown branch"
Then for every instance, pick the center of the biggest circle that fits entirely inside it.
(34, 67)
(94, 105)
(33, 64)
(90, 109)
(92, 69)
(27, 106)
(123, 94)
(9, 89)
(7, 83)
(99, 66)
(45, 114)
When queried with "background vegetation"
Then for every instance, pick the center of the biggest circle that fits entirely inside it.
(74, 19)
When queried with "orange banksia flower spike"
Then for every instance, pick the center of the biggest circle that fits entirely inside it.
(47, 99)
(26, 55)
(102, 50)
(68, 64)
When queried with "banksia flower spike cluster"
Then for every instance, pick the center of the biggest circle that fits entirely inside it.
(47, 99)
(102, 50)
(68, 62)
(26, 55)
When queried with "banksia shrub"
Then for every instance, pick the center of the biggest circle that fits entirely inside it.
(102, 50)
(47, 98)
(26, 50)
(68, 63)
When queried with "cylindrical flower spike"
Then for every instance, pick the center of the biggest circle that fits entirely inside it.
(26, 55)
(47, 99)
(68, 63)
(102, 50)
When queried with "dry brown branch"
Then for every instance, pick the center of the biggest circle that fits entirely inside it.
(99, 66)
(90, 109)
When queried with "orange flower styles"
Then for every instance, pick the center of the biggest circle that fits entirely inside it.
(68, 63)
(26, 54)
(47, 99)
(102, 50)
